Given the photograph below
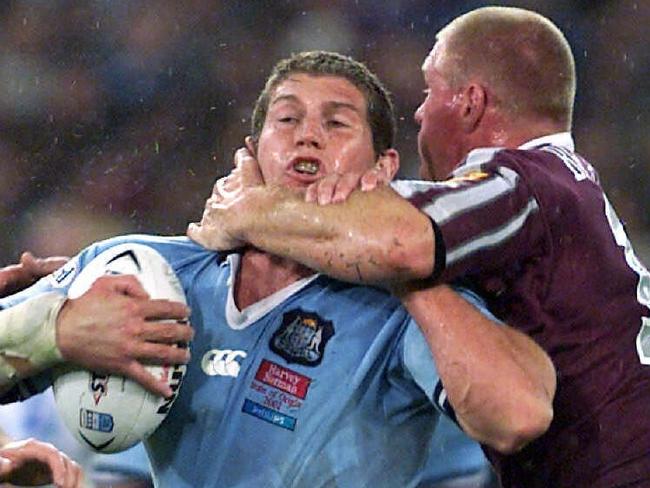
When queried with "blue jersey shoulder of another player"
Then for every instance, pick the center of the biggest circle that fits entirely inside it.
(178, 251)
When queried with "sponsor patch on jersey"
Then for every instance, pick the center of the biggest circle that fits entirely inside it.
(269, 415)
(283, 379)
(302, 337)
(277, 394)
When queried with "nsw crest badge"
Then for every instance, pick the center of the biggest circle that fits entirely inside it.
(302, 337)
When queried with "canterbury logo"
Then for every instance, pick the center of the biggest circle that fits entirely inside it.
(222, 362)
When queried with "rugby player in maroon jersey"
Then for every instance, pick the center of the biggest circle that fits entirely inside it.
(520, 215)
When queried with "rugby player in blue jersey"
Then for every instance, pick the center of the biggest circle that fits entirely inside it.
(521, 215)
(300, 380)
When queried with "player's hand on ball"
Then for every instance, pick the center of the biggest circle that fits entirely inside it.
(34, 463)
(111, 328)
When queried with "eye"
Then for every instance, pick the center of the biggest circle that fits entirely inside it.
(335, 124)
(287, 119)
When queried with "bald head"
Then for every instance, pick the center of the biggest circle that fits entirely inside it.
(521, 57)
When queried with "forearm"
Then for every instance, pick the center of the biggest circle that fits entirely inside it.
(500, 383)
(28, 338)
(373, 237)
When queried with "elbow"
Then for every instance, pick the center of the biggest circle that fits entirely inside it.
(410, 258)
(523, 427)
(408, 266)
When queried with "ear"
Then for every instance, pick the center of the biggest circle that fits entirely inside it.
(388, 164)
(474, 106)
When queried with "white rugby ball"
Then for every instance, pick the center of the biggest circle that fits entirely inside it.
(110, 413)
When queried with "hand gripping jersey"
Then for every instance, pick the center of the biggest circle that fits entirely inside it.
(322, 384)
(533, 230)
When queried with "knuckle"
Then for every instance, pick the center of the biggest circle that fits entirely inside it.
(132, 307)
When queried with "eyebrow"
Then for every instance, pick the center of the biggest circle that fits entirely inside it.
(285, 98)
(342, 105)
(332, 105)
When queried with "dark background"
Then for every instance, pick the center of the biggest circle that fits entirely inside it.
(117, 116)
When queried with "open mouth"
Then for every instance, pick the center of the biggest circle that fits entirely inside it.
(306, 166)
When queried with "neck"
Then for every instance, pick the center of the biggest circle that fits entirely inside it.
(261, 274)
(501, 131)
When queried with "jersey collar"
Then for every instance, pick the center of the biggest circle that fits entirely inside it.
(561, 139)
(478, 156)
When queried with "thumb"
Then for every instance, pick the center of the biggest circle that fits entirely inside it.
(194, 233)
(250, 145)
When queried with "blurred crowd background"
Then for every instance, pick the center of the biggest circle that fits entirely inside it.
(117, 116)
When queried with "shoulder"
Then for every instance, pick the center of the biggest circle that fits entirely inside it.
(178, 251)
(172, 248)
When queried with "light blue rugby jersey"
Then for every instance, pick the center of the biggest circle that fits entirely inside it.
(322, 384)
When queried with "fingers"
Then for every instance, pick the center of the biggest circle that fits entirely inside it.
(109, 329)
(195, 232)
(250, 145)
(64, 471)
(245, 161)
(326, 188)
(370, 180)
(345, 185)
(38, 267)
(33, 462)
(151, 309)
(58, 467)
(333, 188)
(242, 157)
(123, 284)
(166, 333)
(152, 352)
(149, 382)
(311, 194)
(73, 475)
(161, 309)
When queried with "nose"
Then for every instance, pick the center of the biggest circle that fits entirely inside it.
(310, 133)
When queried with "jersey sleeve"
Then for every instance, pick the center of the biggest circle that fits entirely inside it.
(419, 361)
(487, 214)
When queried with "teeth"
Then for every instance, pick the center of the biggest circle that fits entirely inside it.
(308, 167)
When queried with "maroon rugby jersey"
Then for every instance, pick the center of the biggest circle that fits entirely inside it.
(532, 229)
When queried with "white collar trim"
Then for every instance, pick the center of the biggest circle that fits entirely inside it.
(478, 156)
(561, 139)
(240, 319)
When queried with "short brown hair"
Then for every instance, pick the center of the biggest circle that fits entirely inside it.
(521, 55)
(381, 113)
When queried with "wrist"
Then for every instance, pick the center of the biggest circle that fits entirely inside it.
(28, 336)
(251, 216)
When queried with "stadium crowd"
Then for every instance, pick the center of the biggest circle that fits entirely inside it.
(106, 107)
